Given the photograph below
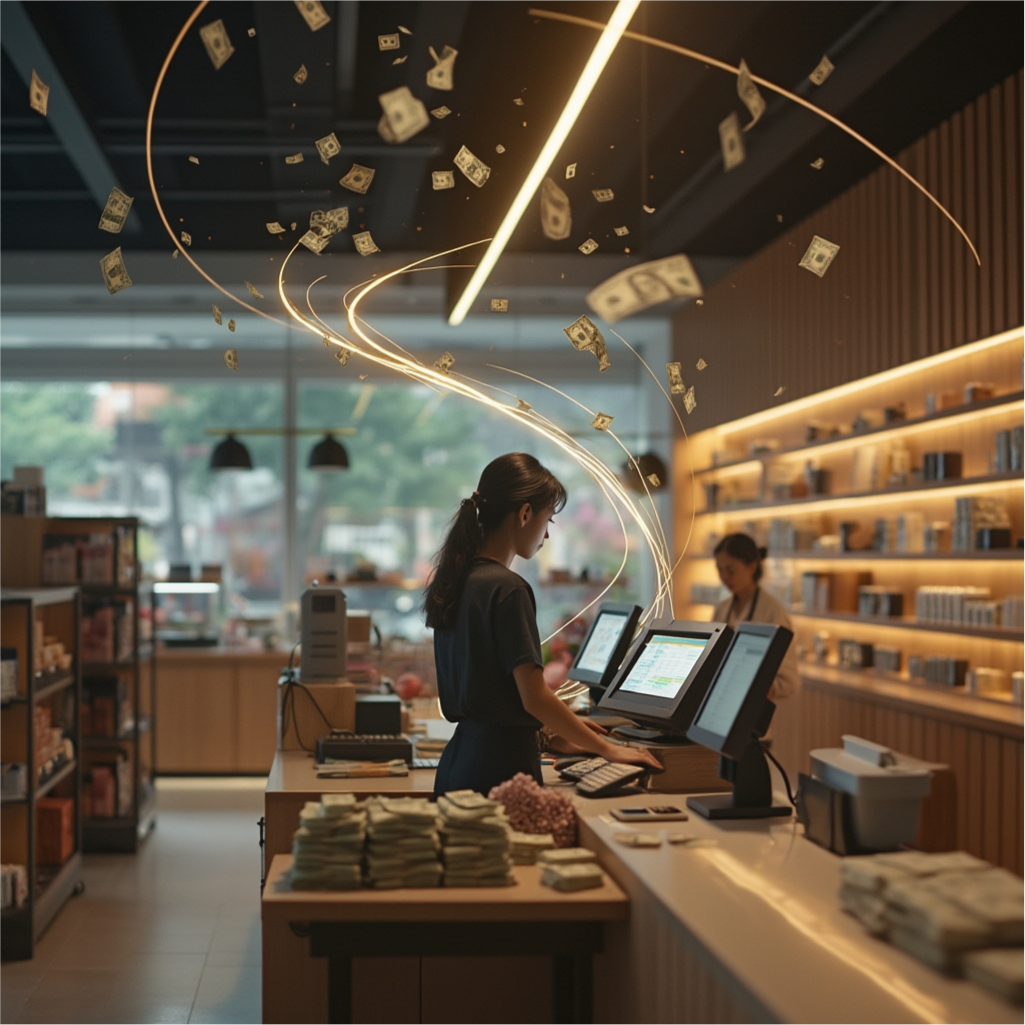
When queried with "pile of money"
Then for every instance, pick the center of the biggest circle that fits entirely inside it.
(570, 868)
(402, 843)
(328, 845)
(937, 907)
(475, 840)
(525, 847)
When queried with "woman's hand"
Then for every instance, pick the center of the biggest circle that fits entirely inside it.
(630, 755)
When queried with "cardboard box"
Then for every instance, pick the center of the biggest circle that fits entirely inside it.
(299, 721)
(55, 830)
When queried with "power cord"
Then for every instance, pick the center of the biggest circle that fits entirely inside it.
(782, 771)
(288, 716)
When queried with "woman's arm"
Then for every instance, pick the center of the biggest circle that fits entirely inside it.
(542, 704)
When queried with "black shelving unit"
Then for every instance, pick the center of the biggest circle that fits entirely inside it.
(49, 886)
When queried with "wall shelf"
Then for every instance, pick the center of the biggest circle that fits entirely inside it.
(55, 685)
(995, 633)
(1013, 556)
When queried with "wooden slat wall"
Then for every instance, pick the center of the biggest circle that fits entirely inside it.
(903, 286)
(987, 764)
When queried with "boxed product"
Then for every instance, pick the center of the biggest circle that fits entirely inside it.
(55, 830)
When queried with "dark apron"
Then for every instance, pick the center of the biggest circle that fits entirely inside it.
(481, 755)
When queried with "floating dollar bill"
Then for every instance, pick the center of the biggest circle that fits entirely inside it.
(217, 314)
(499, 305)
(624, 230)
(328, 147)
(689, 402)
(602, 422)
(701, 364)
(588, 247)
(440, 76)
(499, 148)
(518, 101)
(342, 355)
(748, 92)
(400, 60)
(174, 255)
(818, 163)
(295, 158)
(445, 363)
(822, 71)
(443, 180)
(523, 406)
(115, 276)
(732, 142)
(779, 217)
(441, 112)
(473, 167)
(648, 209)
(584, 335)
(231, 359)
(314, 241)
(556, 215)
(253, 290)
(251, 32)
(385, 131)
(388, 42)
(330, 222)
(779, 391)
(275, 228)
(38, 94)
(406, 114)
(645, 285)
(218, 45)
(193, 160)
(301, 75)
(186, 238)
(231, 326)
(571, 171)
(405, 31)
(603, 195)
(357, 178)
(819, 255)
(313, 13)
(116, 211)
(654, 481)
(365, 244)
(675, 373)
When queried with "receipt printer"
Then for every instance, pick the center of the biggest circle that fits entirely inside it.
(324, 634)
(862, 798)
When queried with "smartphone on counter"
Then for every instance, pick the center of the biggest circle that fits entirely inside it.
(657, 813)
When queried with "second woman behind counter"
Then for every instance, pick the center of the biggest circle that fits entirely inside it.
(487, 649)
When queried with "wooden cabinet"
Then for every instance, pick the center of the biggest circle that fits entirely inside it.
(216, 711)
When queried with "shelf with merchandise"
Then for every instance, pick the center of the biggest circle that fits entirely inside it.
(996, 633)
(1014, 556)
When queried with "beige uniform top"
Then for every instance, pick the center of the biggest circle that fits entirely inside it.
(770, 610)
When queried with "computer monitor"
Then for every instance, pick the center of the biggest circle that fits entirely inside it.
(606, 644)
(666, 675)
(734, 714)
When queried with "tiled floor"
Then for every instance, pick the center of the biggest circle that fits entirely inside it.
(170, 934)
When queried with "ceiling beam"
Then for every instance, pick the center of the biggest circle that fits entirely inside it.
(26, 51)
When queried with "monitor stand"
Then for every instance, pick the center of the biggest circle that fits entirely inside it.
(752, 790)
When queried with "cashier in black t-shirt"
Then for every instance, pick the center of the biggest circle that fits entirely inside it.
(487, 650)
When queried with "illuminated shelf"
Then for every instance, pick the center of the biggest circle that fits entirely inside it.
(956, 485)
(1011, 555)
(994, 633)
(945, 418)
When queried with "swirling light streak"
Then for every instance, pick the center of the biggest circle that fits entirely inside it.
(572, 19)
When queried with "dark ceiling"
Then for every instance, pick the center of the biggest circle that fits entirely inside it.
(649, 131)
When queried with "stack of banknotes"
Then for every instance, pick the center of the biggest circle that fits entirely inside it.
(570, 868)
(525, 847)
(328, 845)
(952, 911)
(402, 843)
(475, 840)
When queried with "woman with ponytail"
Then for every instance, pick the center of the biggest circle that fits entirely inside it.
(486, 644)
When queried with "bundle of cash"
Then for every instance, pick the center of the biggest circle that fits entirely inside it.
(328, 845)
(567, 856)
(475, 840)
(581, 876)
(402, 843)
(525, 847)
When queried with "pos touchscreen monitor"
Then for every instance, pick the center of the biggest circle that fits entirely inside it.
(666, 675)
(605, 645)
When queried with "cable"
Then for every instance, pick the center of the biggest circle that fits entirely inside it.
(782, 772)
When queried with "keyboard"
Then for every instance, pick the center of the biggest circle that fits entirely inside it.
(598, 778)
(364, 747)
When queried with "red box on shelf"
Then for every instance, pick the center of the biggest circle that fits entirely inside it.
(55, 830)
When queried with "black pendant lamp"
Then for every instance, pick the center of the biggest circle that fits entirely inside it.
(230, 454)
(328, 456)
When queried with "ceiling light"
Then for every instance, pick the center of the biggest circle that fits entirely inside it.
(328, 456)
(589, 76)
(230, 454)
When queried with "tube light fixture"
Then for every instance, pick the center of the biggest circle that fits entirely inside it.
(610, 36)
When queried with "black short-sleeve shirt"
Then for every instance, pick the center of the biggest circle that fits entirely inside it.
(495, 631)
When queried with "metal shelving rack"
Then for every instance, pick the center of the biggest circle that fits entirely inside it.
(48, 887)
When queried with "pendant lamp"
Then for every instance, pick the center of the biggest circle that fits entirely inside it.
(230, 454)
(328, 456)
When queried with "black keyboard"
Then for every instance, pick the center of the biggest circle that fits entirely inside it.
(364, 747)
(578, 770)
(606, 778)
